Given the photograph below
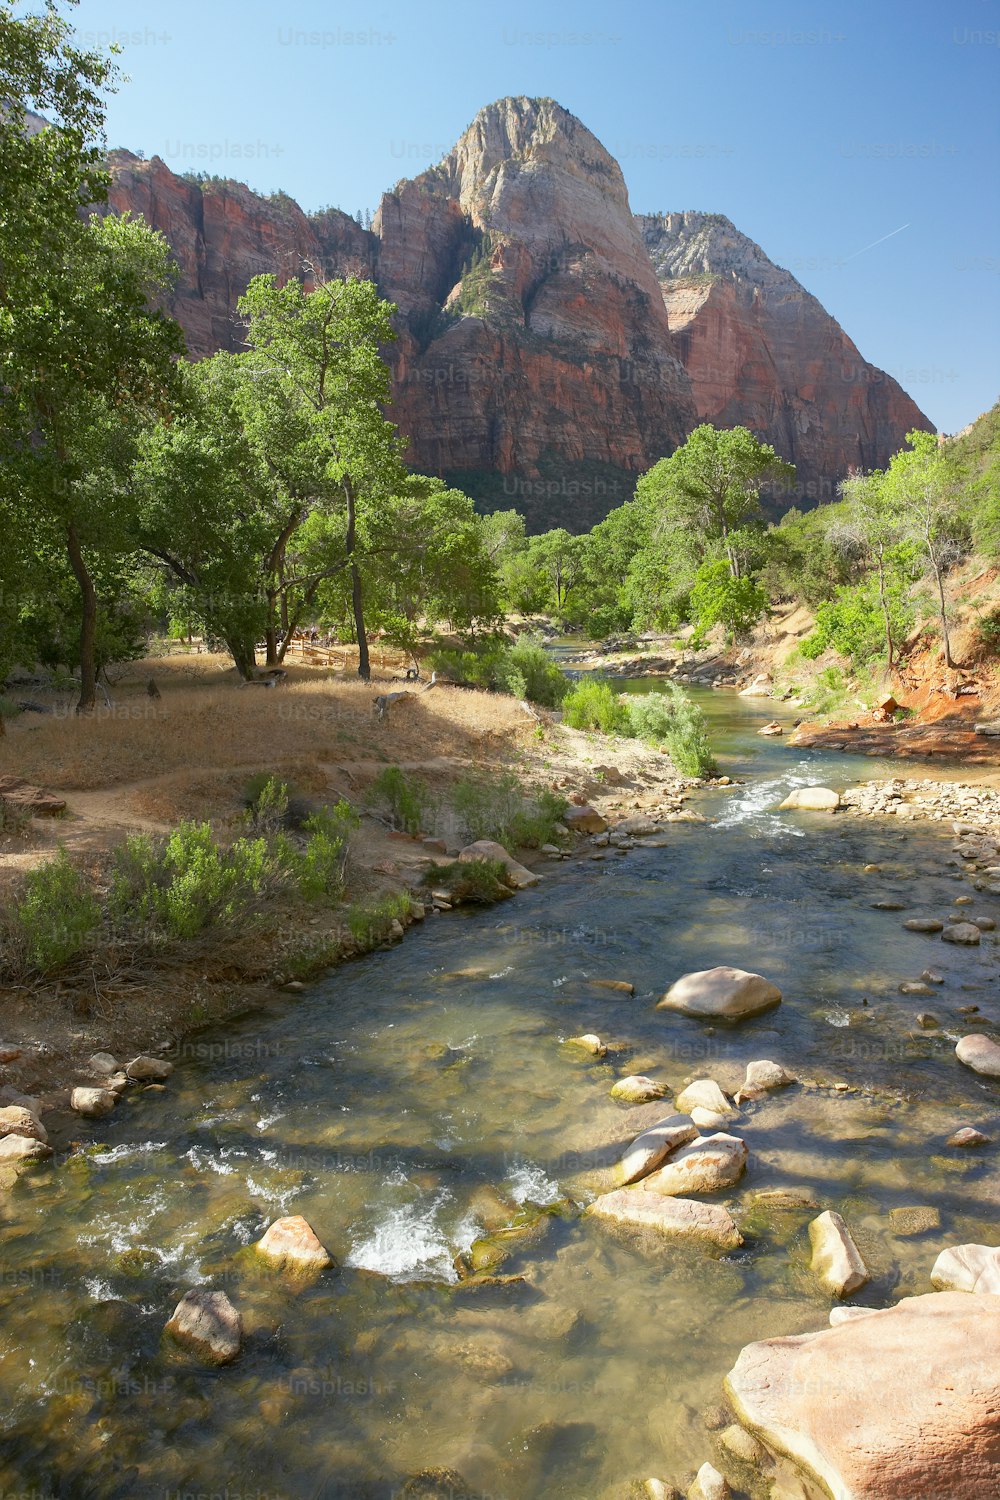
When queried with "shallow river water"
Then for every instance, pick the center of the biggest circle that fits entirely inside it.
(401, 1107)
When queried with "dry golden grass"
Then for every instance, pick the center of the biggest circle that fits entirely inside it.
(199, 741)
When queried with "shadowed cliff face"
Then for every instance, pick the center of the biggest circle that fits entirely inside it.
(552, 345)
(762, 352)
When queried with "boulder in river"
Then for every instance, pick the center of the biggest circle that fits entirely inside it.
(15, 1148)
(589, 1042)
(763, 1075)
(723, 993)
(517, 874)
(704, 1093)
(980, 1053)
(15, 1119)
(811, 799)
(836, 1259)
(707, 1165)
(968, 1268)
(654, 1145)
(923, 924)
(149, 1069)
(93, 1104)
(638, 1089)
(207, 1324)
(709, 1484)
(683, 1218)
(962, 932)
(899, 1404)
(292, 1244)
(968, 1136)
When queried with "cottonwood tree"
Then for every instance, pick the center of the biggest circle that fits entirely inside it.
(873, 527)
(929, 505)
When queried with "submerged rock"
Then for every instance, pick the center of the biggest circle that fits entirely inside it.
(589, 1042)
(836, 1259)
(980, 1053)
(709, 1164)
(902, 1403)
(638, 1208)
(292, 1244)
(638, 1089)
(763, 1076)
(654, 1145)
(968, 1136)
(923, 924)
(207, 1324)
(962, 932)
(709, 1484)
(968, 1268)
(722, 993)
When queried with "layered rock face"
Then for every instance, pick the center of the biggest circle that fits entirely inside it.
(551, 345)
(763, 353)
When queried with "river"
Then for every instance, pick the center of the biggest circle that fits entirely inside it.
(399, 1106)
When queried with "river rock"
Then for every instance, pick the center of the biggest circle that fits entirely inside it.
(961, 932)
(149, 1069)
(638, 1208)
(707, 1120)
(968, 1136)
(980, 1053)
(835, 1257)
(15, 1119)
(707, 1165)
(207, 1323)
(762, 1076)
(847, 1407)
(637, 825)
(517, 875)
(985, 924)
(654, 1145)
(15, 1148)
(292, 1244)
(638, 1089)
(923, 924)
(843, 1314)
(968, 1268)
(704, 1093)
(709, 1485)
(103, 1063)
(93, 1104)
(722, 993)
(811, 799)
(585, 819)
(587, 1043)
(773, 728)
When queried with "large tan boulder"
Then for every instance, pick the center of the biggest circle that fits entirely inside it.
(517, 874)
(15, 1148)
(654, 1145)
(293, 1245)
(836, 1259)
(980, 1053)
(962, 932)
(16, 1120)
(723, 993)
(901, 1405)
(709, 1164)
(682, 1218)
(811, 799)
(968, 1268)
(703, 1094)
(207, 1324)
(585, 819)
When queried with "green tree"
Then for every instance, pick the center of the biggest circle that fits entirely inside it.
(314, 412)
(719, 598)
(930, 505)
(558, 557)
(706, 495)
(81, 365)
(872, 524)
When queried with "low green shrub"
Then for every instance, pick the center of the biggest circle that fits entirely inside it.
(267, 804)
(55, 917)
(669, 718)
(188, 882)
(988, 632)
(495, 807)
(483, 880)
(320, 867)
(525, 669)
(592, 703)
(408, 801)
(370, 922)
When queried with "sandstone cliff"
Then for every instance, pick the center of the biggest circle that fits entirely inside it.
(763, 352)
(552, 345)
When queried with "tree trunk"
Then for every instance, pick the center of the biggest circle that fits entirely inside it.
(244, 656)
(943, 612)
(357, 601)
(88, 623)
(885, 610)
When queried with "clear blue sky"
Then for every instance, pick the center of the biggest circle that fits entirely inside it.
(819, 130)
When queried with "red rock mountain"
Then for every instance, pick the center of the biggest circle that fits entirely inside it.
(551, 344)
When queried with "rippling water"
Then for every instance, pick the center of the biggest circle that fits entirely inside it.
(402, 1108)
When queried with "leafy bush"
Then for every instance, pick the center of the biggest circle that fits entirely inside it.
(853, 622)
(407, 800)
(189, 882)
(55, 917)
(593, 704)
(371, 922)
(670, 718)
(528, 671)
(320, 866)
(717, 598)
(267, 805)
(483, 880)
(988, 632)
(495, 807)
